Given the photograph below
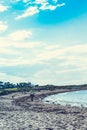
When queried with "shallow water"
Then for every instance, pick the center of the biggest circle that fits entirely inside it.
(77, 98)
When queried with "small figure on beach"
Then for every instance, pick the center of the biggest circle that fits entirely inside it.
(32, 95)
(13, 97)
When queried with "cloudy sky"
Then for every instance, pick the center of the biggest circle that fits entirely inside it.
(43, 41)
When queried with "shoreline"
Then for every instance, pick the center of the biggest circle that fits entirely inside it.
(39, 105)
(22, 114)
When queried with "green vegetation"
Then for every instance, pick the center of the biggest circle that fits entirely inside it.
(7, 91)
(11, 89)
(7, 87)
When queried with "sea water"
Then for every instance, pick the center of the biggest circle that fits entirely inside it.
(76, 98)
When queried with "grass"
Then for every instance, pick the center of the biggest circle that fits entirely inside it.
(8, 90)
(11, 89)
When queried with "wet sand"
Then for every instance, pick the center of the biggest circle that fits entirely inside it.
(22, 114)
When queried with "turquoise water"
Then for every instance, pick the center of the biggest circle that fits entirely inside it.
(77, 98)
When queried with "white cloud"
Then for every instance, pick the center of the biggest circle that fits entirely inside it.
(60, 5)
(8, 51)
(44, 77)
(47, 6)
(36, 6)
(3, 8)
(57, 60)
(14, 53)
(65, 56)
(56, 51)
(70, 61)
(3, 26)
(29, 12)
(6, 43)
(20, 35)
(40, 53)
(13, 61)
(11, 78)
(40, 1)
(26, 45)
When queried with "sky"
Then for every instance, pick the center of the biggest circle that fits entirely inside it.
(43, 41)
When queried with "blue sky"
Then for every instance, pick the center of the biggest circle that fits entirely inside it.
(43, 41)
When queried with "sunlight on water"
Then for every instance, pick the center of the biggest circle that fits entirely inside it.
(78, 98)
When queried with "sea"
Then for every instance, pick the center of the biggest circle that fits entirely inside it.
(75, 98)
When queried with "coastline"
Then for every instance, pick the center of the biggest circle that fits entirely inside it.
(22, 114)
(38, 99)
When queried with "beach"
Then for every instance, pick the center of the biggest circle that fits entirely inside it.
(22, 114)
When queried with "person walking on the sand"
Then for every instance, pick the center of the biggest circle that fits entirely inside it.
(32, 96)
(13, 97)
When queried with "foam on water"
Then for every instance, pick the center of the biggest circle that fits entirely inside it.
(77, 98)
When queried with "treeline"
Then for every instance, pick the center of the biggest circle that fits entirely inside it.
(7, 87)
(27, 86)
(4, 85)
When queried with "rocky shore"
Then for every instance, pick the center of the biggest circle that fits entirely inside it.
(22, 114)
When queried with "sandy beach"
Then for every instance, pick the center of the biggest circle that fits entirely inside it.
(22, 114)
